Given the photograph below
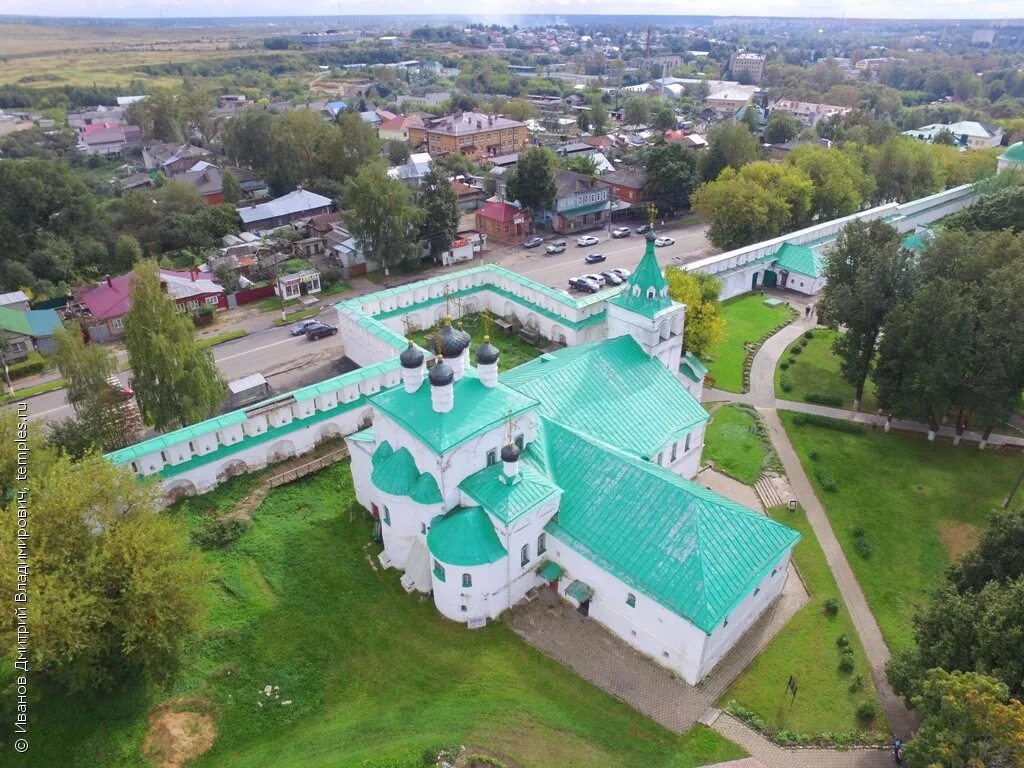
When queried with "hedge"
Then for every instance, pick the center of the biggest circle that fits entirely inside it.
(820, 398)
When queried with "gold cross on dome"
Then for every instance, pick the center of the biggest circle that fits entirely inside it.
(652, 213)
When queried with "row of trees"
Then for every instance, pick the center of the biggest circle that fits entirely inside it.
(940, 333)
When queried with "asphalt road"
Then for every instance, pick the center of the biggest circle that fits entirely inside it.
(290, 362)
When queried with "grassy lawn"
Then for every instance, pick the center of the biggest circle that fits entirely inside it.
(816, 371)
(514, 351)
(747, 321)
(917, 503)
(294, 317)
(735, 444)
(38, 389)
(220, 338)
(806, 649)
(375, 677)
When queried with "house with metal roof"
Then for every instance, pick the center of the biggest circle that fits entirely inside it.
(572, 471)
(21, 330)
(300, 204)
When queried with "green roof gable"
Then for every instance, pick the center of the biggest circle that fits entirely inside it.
(508, 501)
(800, 259)
(1014, 153)
(696, 553)
(464, 536)
(477, 409)
(14, 321)
(613, 391)
(646, 290)
(692, 368)
(395, 472)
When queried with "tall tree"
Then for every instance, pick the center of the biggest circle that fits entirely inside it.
(176, 381)
(127, 252)
(397, 151)
(906, 169)
(868, 274)
(670, 174)
(599, 120)
(840, 185)
(440, 212)
(781, 127)
(730, 145)
(232, 189)
(585, 164)
(532, 181)
(382, 217)
(705, 323)
(115, 588)
(663, 118)
(636, 111)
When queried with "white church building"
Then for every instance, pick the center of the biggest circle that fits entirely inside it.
(571, 472)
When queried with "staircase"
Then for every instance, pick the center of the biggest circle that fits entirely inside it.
(768, 493)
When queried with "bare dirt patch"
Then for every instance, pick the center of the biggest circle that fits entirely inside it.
(179, 731)
(958, 537)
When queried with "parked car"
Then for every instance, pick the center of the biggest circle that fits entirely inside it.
(664, 241)
(300, 327)
(583, 284)
(611, 278)
(643, 229)
(532, 242)
(622, 274)
(558, 247)
(320, 330)
(595, 278)
(594, 258)
(585, 240)
(620, 232)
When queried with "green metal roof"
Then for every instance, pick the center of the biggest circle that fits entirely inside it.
(395, 472)
(579, 591)
(549, 570)
(800, 259)
(464, 536)
(365, 436)
(915, 242)
(694, 552)
(613, 391)
(647, 276)
(692, 368)
(14, 321)
(583, 210)
(1014, 153)
(477, 409)
(508, 501)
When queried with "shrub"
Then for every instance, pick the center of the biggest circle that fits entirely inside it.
(823, 399)
(808, 334)
(814, 420)
(796, 350)
(865, 712)
(30, 366)
(814, 455)
(784, 364)
(861, 544)
(219, 533)
(792, 360)
(846, 663)
(803, 343)
(831, 608)
(857, 684)
(843, 642)
(786, 383)
(825, 480)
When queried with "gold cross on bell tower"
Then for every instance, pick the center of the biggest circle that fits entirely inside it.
(652, 213)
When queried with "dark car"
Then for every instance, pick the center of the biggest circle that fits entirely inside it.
(594, 258)
(583, 284)
(643, 230)
(532, 242)
(300, 328)
(320, 330)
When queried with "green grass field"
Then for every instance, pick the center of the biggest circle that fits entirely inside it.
(816, 370)
(747, 320)
(806, 649)
(918, 503)
(734, 445)
(375, 677)
(514, 351)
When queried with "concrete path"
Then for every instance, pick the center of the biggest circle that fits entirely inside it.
(729, 487)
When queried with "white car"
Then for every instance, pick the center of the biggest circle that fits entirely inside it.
(586, 240)
(622, 273)
(595, 278)
(664, 241)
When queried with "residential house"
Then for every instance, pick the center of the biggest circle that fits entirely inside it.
(14, 300)
(603, 143)
(808, 113)
(729, 100)
(469, 198)
(110, 141)
(283, 210)
(332, 109)
(967, 134)
(627, 184)
(747, 66)
(104, 305)
(375, 117)
(501, 221)
(475, 134)
(172, 158)
(232, 101)
(582, 203)
(427, 100)
(344, 251)
(208, 181)
(397, 128)
(778, 152)
(412, 172)
(80, 118)
(21, 330)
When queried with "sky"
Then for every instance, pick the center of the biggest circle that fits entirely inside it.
(895, 9)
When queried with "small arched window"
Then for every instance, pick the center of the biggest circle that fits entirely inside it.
(636, 290)
(524, 555)
(631, 600)
(650, 293)
(467, 580)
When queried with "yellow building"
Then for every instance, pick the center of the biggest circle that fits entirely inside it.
(474, 134)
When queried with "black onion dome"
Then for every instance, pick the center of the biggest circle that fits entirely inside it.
(449, 342)
(441, 374)
(487, 353)
(510, 453)
(651, 235)
(411, 357)
(463, 336)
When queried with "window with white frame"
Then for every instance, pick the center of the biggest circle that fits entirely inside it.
(212, 300)
(467, 580)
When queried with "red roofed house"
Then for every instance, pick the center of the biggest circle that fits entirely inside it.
(397, 128)
(502, 222)
(105, 304)
(601, 142)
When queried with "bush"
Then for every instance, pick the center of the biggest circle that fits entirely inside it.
(857, 684)
(808, 334)
(796, 350)
(803, 343)
(219, 533)
(792, 360)
(825, 480)
(861, 543)
(30, 366)
(784, 364)
(822, 399)
(843, 643)
(814, 420)
(331, 276)
(786, 383)
(846, 663)
(814, 455)
(866, 713)
(831, 608)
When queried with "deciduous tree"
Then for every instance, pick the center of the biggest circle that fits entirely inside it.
(840, 185)
(532, 181)
(670, 177)
(781, 127)
(730, 145)
(382, 216)
(705, 324)
(440, 212)
(636, 111)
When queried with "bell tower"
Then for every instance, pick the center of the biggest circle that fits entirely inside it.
(644, 310)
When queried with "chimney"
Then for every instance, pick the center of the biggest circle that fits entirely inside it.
(412, 367)
(510, 463)
(192, 273)
(110, 283)
(442, 393)
(487, 363)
